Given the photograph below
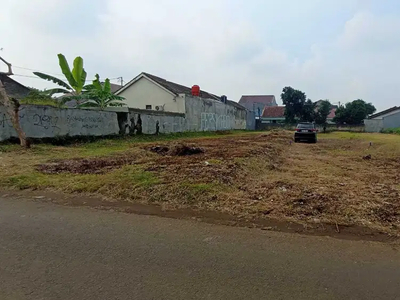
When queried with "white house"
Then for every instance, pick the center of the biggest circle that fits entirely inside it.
(147, 91)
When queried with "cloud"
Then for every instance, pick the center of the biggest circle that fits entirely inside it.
(340, 50)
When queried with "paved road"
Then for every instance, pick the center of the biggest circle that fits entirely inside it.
(56, 252)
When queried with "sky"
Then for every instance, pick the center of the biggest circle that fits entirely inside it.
(339, 50)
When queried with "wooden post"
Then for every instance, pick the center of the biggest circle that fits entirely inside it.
(12, 106)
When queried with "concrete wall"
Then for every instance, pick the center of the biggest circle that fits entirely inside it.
(149, 120)
(144, 92)
(201, 115)
(46, 122)
(213, 115)
(250, 120)
(373, 125)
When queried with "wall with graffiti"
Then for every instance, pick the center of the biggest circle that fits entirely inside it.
(201, 115)
(213, 115)
(47, 122)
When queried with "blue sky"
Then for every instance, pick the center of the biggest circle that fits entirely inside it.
(331, 49)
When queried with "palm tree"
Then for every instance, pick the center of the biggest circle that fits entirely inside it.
(100, 95)
(76, 79)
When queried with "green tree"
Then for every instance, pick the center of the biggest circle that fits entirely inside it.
(294, 101)
(100, 95)
(76, 79)
(322, 111)
(308, 111)
(354, 112)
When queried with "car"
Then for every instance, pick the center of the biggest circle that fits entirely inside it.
(305, 132)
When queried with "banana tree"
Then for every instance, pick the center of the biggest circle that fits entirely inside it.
(76, 79)
(100, 95)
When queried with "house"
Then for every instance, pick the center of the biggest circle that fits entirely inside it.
(151, 92)
(273, 114)
(331, 115)
(257, 103)
(389, 118)
(13, 88)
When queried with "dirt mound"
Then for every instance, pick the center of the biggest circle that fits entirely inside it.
(85, 166)
(177, 150)
(313, 204)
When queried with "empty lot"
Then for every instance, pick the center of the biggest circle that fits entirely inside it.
(346, 180)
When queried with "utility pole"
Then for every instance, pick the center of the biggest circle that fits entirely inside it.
(121, 80)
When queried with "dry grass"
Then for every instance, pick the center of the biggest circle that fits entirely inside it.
(249, 175)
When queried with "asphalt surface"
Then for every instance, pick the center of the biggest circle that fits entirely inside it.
(49, 251)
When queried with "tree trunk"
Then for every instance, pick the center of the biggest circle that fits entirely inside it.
(12, 106)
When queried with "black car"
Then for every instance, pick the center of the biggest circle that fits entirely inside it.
(305, 132)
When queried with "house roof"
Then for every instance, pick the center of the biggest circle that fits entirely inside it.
(332, 113)
(115, 87)
(266, 99)
(176, 88)
(179, 89)
(13, 88)
(274, 112)
(379, 114)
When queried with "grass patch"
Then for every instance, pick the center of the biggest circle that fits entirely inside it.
(391, 130)
(200, 187)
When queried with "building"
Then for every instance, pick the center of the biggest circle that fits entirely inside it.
(13, 88)
(331, 115)
(257, 103)
(151, 92)
(386, 119)
(273, 114)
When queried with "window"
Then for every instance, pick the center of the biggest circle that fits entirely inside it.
(148, 106)
(305, 126)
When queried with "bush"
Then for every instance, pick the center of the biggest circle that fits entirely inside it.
(36, 97)
(392, 130)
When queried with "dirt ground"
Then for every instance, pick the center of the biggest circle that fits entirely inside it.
(343, 180)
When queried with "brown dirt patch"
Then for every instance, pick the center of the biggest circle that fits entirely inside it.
(85, 165)
(177, 150)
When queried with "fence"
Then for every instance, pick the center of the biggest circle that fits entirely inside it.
(329, 127)
(48, 122)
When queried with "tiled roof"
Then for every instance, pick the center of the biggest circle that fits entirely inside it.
(179, 89)
(332, 113)
(266, 99)
(115, 87)
(13, 88)
(392, 109)
(274, 112)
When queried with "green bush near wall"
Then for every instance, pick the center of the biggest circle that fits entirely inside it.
(392, 130)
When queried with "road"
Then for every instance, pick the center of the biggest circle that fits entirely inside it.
(49, 251)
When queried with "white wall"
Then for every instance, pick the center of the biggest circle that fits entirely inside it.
(144, 92)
